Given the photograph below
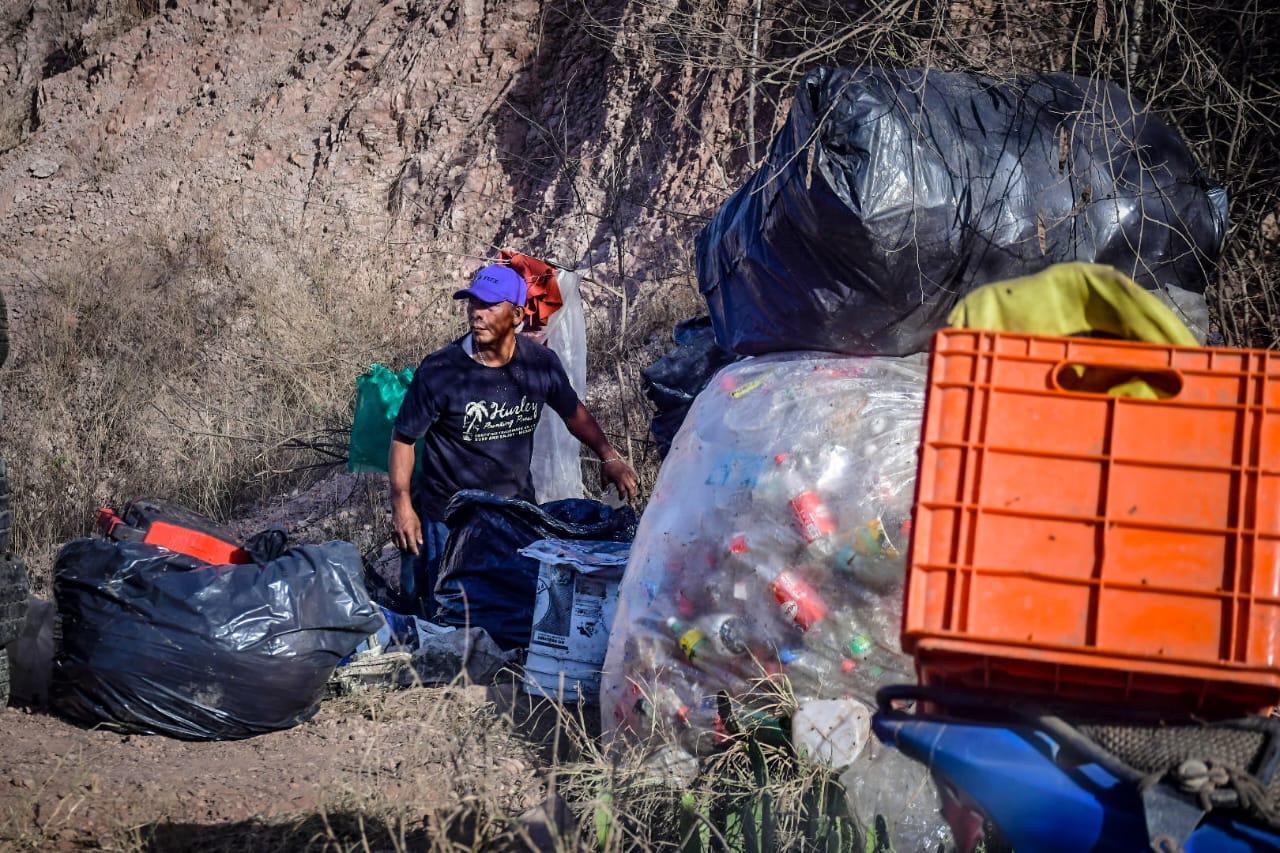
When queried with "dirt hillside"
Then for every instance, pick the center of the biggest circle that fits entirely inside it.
(219, 213)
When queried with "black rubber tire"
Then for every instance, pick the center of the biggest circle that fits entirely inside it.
(13, 598)
(6, 515)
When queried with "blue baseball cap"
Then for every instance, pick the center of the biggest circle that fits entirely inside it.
(496, 283)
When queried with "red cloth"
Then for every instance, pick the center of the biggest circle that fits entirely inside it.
(544, 290)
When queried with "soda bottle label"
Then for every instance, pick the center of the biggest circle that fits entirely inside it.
(812, 516)
(691, 643)
(800, 603)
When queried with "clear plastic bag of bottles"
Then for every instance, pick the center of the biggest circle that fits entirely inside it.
(774, 545)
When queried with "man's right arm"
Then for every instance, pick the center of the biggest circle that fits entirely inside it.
(417, 413)
(408, 526)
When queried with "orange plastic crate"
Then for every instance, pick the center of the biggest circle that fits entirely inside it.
(1096, 547)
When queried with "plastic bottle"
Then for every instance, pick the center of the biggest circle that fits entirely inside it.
(748, 561)
(813, 673)
(769, 487)
(815, 521)
(660, 707)
(876, 669)
(833, 468)
(720, 637)
(727, 634)
(850, 643)
(793, 482)
(799, 601)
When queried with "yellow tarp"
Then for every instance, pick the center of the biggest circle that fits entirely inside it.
(1073, 299)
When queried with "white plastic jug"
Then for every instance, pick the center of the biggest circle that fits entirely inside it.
(831, 732)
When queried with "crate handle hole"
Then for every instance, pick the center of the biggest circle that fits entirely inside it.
(1113, 380)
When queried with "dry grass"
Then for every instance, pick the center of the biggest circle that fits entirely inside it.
(197, 368)
(434, 769)
(208, 368)
(454, 769)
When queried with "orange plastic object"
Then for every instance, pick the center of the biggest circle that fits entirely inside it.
(1095, 547)
(196, 543)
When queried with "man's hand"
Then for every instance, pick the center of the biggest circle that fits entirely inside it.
(404, 518)
(408, 526)
(613, 469)
(618, 473)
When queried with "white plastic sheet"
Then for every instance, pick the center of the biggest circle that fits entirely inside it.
(557, 465)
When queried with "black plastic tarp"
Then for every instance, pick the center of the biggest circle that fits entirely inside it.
(679, 375)
(485, 581)
(889, 194)
(206, 653)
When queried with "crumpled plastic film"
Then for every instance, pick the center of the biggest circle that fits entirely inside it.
(774, 544)
(890, 193)
(556, 465)
(153, 646)
(673, 381)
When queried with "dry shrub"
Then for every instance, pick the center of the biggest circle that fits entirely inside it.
(199, 368)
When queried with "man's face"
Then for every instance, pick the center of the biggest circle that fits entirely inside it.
(490, 322)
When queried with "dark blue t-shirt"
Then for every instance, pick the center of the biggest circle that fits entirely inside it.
(477, 422)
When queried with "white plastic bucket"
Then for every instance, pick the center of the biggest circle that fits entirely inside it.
(577, 597)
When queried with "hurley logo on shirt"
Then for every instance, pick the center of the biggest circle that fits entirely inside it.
(490, 420)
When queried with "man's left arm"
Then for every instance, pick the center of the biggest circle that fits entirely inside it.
(613, 468)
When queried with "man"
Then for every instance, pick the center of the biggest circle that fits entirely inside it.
(476, 403)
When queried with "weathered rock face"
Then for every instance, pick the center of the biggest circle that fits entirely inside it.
(438, 130)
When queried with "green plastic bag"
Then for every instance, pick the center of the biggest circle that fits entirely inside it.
(379, 394)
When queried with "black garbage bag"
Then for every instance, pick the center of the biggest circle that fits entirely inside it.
(206, 653)
(679, 375)
(890, 194)
(485, 582)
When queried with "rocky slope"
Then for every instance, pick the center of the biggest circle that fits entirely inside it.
(433, 130)
(220, 212)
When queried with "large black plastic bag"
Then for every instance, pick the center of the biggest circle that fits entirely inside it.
(484, 580)
(675, 379)
(889, 194)
(209, 653)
